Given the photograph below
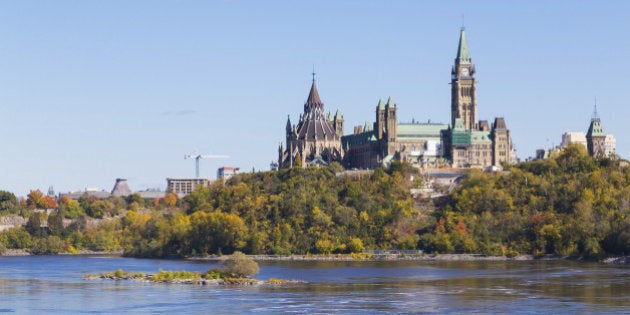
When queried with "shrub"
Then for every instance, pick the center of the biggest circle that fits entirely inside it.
(16, 238)
(240, 266)
(355, 245)
(48, 246)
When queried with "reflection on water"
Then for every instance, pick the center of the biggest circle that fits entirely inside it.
(55, 285)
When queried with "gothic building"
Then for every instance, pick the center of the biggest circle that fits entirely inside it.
(594, 140)
(316, 139)
(598, 143)
(463, 143)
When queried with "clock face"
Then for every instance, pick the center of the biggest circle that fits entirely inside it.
(465, 71)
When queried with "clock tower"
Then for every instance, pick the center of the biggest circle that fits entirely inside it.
(463, 87)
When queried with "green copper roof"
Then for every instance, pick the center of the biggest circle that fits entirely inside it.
(481, 137)
(595, 129)
(459, 124)
(419, 132)
(338, 113)
(390, 102)
(463, 56)
(381, 105)
(461, 137)
(459, 134)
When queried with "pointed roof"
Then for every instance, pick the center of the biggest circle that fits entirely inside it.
(381, 104)
(288, 124)
(314, 124)
(313, 97)
(463, 56)
(390, 102)
(595, 129)
(121, 189)
(499, 123)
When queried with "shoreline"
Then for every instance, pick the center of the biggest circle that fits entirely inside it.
(617, 260)
(83, 252)
(385, 257)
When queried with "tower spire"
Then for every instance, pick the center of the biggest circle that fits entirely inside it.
(463, 55)
(595, 115)
(313, 73)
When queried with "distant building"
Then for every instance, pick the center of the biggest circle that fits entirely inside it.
(316, 139)
(465, 142)
(184, 186)
(121, 188)
(594, 140)
(573, 137)
(226, 172)
(151, 194)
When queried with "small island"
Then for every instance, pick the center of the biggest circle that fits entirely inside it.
(238, 270)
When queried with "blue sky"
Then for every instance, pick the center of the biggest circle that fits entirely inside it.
(95, 90)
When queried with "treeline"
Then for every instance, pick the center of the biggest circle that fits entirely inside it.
(66, 225)
(569, 205)
(295, 211)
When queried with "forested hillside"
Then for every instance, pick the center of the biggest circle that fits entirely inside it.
(569, 205)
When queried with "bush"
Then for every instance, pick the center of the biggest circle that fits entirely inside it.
(51, 245)
(355, 245)
(215, 273)
(168, 276)
(240, 266)
(16, 238)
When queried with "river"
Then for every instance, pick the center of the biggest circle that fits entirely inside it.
(54, 284)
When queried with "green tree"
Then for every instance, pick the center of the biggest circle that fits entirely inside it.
(240, 266)
(8, 201)
(212, 232)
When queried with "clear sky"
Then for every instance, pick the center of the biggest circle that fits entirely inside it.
(95, 90)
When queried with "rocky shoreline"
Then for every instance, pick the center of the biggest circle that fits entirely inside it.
(21, 252)
(387, 257)
(197, 281)
(623, 260)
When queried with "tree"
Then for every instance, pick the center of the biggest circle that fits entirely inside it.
(69, 208)
(34, 199)
(240, 266)
(170, 199)
(48, 246)
(16, 238)
(8, 201)
(55, 223)
(214, 232)
(33, 226)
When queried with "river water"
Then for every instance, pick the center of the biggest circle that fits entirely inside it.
(54, 284)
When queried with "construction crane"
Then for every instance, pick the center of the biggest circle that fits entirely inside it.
(198, 157)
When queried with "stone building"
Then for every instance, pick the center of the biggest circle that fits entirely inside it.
(464, 143)
(316, 139)
(595, 140)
